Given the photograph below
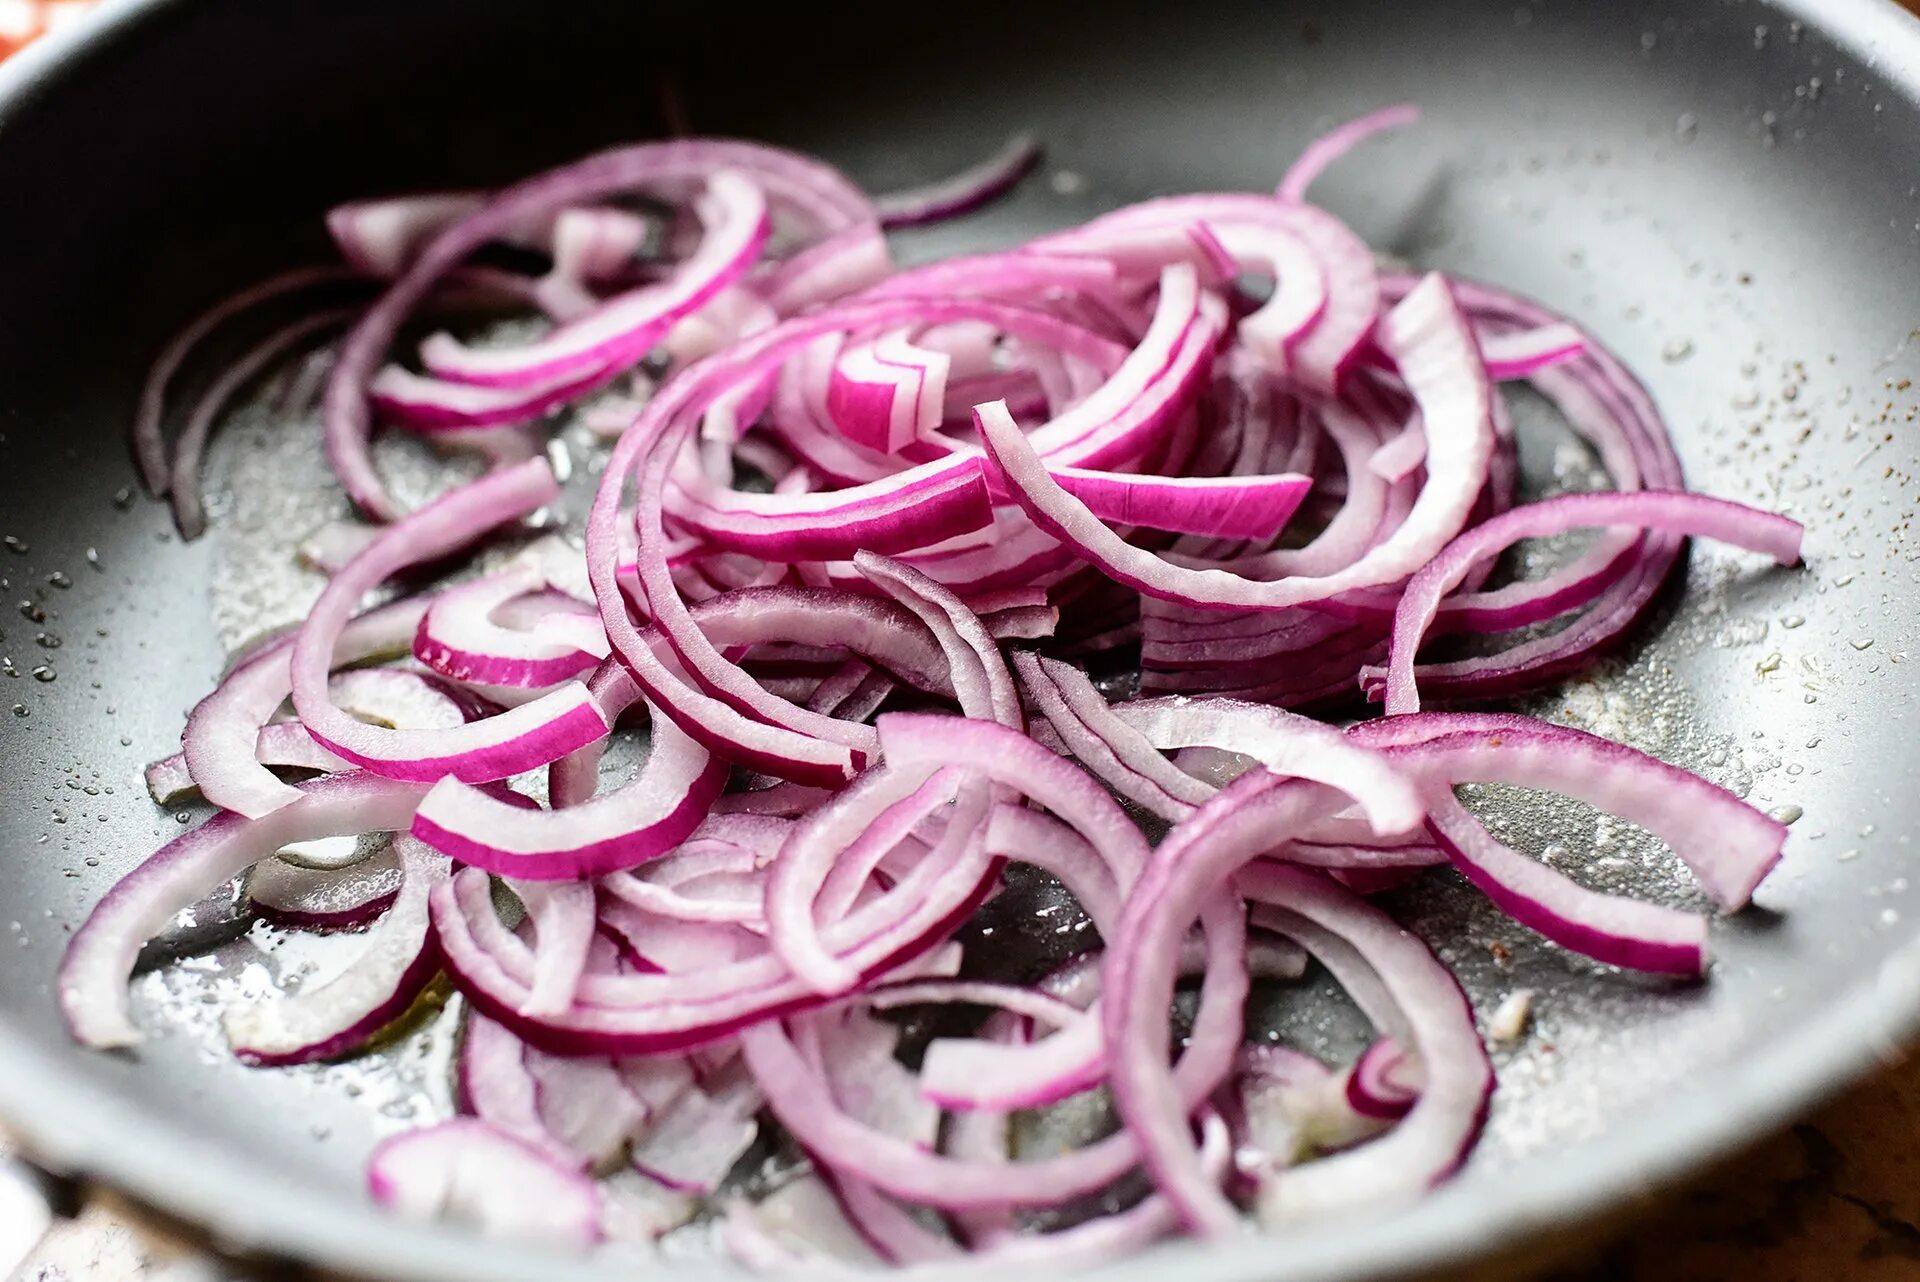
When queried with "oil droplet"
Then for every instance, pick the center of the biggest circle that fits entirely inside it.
(1888, 917)
(93, 861)
(1760, 37)
(1814, 742)
(15, 545)
(181, 816)
(46, 640)
(6, 666)
(1863, 643)
(1787, 814)
(1749, 399)
(1677, 350)
(59, 580)
(1867, 831)
(20, 710)
(1769, 664)
(1687, 127)
(59, 817)
(1842, 580)
(93, 558)
(123, 497)
(43, 674)
(1811, 698)
(1066, 182)
(32, 613)
(1793, 620)
(1848, 856)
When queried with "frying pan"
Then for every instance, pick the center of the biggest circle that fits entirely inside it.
(1724, 191)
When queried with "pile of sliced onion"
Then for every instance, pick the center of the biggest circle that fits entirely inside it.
(859, 536)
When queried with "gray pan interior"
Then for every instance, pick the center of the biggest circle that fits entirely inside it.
(1723, 191)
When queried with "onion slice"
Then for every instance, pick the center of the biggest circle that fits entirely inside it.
(503, 1188)
(339, 1016)
(521, 738)
(93, 975)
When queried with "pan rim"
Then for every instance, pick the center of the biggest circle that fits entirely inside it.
(64, 1124)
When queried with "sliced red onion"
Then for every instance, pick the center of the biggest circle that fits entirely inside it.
(149, 440)
(521, 738)
(1229, 507)
(281, 743)
(650, 1014)
(918, 741)
(1401, 455)
(325, 899)
(445, 408)
(797, 1229)
(379, 237)
(493, 1083)
(620, 331)
(596, 243)
(467, 1171)
(964, 191)
(1385, 1081)
(1608, 928)
(1433, 347)
(696, 1141)
(329, 548)
(854, 831)
(1285, 743)
(1324, 151)
(1017, 276)
(844, 263)
(925, 505)
(460, 638)
(792, 182)
(748, 943)
(1182, 881)
(389, 697)
(1680, 513)
(1146, 787)
(886, 394)
(1431, 1141)
(563, 917)
(1729, 845)
(665, 801)
(92, 981)
(183, 486)
(805, 1105)
(340, 1015)
(586, 1106)
(980, 678)
(220, 743)
(1526, 352)
(654, 943)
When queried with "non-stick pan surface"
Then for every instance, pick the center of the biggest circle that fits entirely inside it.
(1723, 191)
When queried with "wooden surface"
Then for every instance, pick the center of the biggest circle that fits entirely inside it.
(1835, 1198)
